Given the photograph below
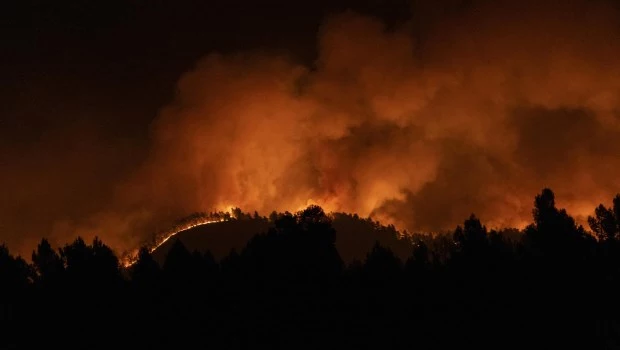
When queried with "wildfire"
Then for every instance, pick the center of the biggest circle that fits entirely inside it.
(131, 257)
(197, 219)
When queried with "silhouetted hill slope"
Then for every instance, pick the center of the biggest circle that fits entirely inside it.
(218, 238)
(553, 285)
(356, 236)
(354, 239)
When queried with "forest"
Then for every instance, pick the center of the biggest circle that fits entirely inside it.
(554, 284)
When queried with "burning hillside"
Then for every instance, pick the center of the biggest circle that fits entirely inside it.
(468, 107)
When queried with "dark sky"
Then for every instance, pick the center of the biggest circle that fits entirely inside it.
(114, 63)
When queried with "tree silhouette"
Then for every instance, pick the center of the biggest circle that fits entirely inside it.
(208, 267)
(606, 221)
(544, 212)
(472, 237)
(181, 268)
(420, 259)
(616, 209)
(145, 272)
(306, 242)
(93, 265)
(603, 223)
(553, 285)
(15, 274)
(555, 234)
(381, 266)
(47, 263)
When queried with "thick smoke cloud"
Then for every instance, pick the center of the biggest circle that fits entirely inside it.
(472, 106)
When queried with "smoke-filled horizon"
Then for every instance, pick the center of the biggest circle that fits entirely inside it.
(470, 107)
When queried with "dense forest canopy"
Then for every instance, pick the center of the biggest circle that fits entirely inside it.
(556, 284)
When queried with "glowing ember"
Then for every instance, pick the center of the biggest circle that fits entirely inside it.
(130, 258)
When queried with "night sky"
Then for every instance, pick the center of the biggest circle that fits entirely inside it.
(114, 115)
(115, 63)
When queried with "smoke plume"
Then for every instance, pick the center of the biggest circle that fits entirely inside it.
(472, 106)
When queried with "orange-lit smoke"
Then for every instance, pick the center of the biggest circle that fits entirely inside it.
(470, 107)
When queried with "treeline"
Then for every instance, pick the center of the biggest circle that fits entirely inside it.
(556, 285)
(192, 220)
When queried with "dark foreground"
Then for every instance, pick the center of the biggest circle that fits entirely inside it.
(556, 286)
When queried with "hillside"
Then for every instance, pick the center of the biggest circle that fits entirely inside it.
(354, 239)
(218, 238)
